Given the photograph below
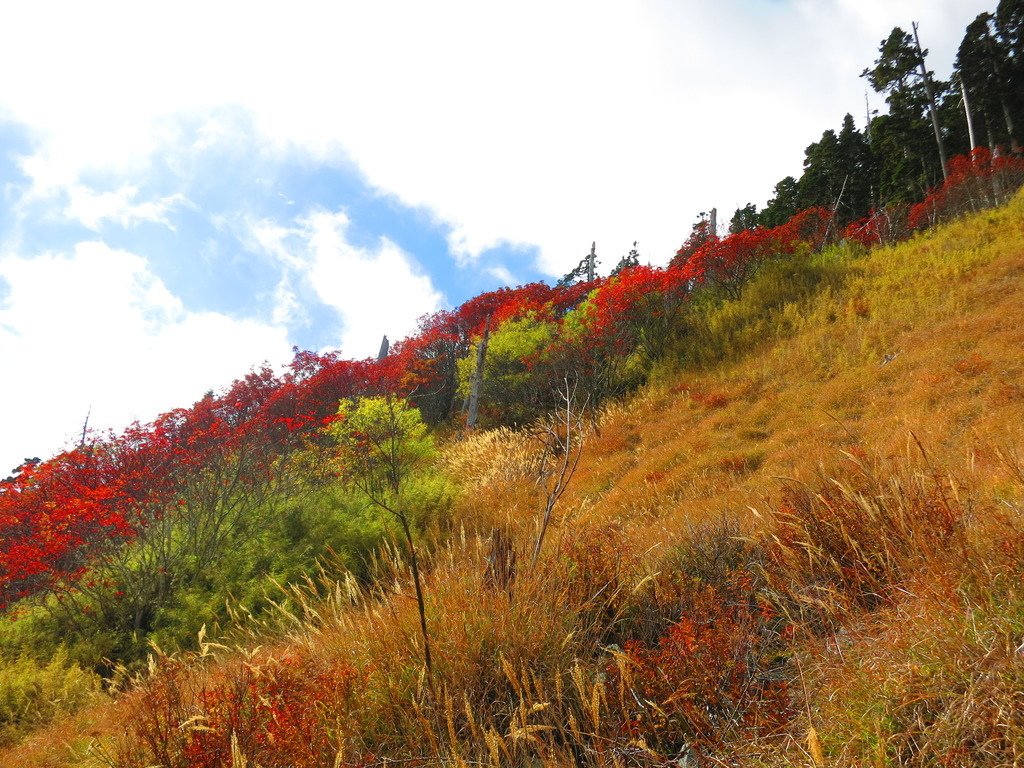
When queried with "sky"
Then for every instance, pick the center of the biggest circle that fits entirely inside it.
(192, 189)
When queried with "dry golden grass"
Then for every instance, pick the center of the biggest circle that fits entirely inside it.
(66, 743)
(938, 355)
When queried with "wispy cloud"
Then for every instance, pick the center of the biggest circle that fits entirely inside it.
(288, 310)
(92, 208)
(502, 274)
(373, 290)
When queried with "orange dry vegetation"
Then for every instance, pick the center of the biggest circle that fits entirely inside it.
(939, 357)
(811, 553)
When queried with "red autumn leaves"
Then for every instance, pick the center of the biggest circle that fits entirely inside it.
(976, 181)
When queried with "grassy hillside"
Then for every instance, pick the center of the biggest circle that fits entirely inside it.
(800, 544)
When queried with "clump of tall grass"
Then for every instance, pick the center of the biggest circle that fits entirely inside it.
(907, 586)
(483, 457)
(935, 680)
(848, 543)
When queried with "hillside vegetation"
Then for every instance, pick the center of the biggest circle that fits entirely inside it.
(798, 544)
(759, 506)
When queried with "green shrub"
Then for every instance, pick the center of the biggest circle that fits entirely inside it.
(721, 328)
(329, 527)
(32, 693)
(510, 388)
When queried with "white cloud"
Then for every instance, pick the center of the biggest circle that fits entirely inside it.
(530, 123)
(375, 291)
(92, 208)
(287, 309)
(272, 238)
(502, 274)
(96, 329)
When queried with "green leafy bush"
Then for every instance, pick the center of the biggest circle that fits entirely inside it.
(723, 328)
(510, 388)
(32, 693)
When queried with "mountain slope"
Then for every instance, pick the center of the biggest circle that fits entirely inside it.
(807, 549)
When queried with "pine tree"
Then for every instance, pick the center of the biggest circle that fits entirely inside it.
(783, 205)
(1009, 23)
(743, 219)
(983, 65)
(631, 259)
(585, 270)
(905, 140)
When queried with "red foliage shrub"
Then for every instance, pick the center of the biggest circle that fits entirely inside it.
(55, 515)
(501, 305)
(292, 712)
(709, 678)
(976, 181)
(730, 261)
(633, 309)
(282, 714)
(882, 226)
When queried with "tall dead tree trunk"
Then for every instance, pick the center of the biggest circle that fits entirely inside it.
(867, 118)
(993, 147)
(478, 377)
(930, 92)
(1008, 118)
(967, 112)
(592, 263)
(85, 427)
